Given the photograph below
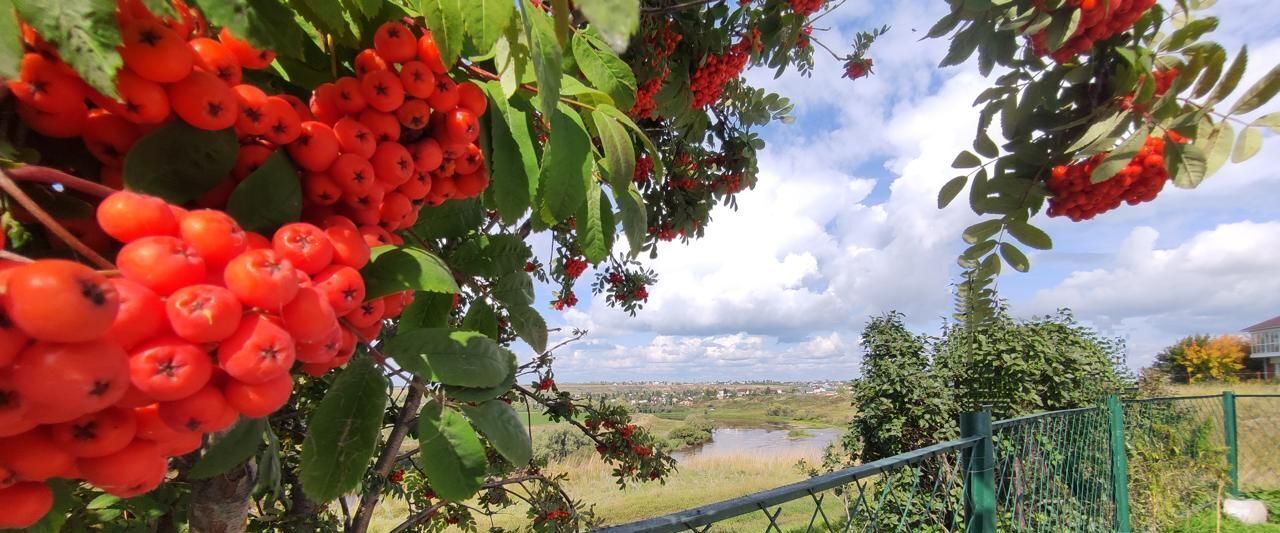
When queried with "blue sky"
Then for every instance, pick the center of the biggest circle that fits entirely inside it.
(843, 225)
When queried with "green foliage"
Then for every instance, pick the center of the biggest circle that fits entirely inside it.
(451, 453)
(1169, 360)
(179, 162)
(500, 425)
(393, 269)
(85, 30)
(560, 443)
(1026, 366)
(461, 358)
(694, 431)
(902, 403)
(269, 197)
(343, 432)
(231, 449)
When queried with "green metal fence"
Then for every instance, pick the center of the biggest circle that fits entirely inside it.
(1133, 465)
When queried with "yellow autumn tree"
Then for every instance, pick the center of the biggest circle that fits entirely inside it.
(1219, 358)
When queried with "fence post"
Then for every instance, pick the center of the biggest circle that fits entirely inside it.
(979, 473)
(1119, 464)
(1233, 451)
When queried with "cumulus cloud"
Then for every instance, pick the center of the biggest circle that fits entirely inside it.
(843, 225)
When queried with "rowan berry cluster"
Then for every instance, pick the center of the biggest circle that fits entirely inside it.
(574, 267)
(1099, 20)
(858, 68)
(707, 83)
(398, 135)
(566, 300)
(1075, 197)
(1163, 79)
(658, 45)
(805, 8)
(644, 169)
(103, 379)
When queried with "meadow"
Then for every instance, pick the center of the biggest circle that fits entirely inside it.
(704, 480)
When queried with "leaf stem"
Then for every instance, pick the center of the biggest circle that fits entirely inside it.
(8, 185)
(528, 87)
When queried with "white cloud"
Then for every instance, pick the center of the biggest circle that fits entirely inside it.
(1218, 281)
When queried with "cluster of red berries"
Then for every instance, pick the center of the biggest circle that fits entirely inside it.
(644, 169)
(170, 68)
(626, 288)
(707, 83)
(1099, 20)
(103, 379)
(856, 68)
(555, 515)
(1164, 80)
(396, 476)
(545, 384)
(805, 8)
(660, 45)
(803, 40)
(1075, 197)
(398, 135)
(574, 267)
(566, 300)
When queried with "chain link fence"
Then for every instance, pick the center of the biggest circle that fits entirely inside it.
(1134, 465)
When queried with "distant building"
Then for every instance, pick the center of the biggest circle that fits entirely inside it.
(1266, 346)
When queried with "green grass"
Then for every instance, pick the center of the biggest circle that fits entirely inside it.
(801, 410)
(1208, 521)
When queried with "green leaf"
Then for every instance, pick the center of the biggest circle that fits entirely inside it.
(179, 162)
(428, 310)
(1029, 235)
(368, 8)
(1187, 162)
(563, 177)
(1014, 257)
(479, 394)
(1214, 149)
(264, 23)
(1189, 33)
(546, 55)
(1247, 145)
(1120, 156)
(966, 159)
(450, 220)
(498, 422)
(615, 20)
(490, 255)
(10, 42)
(981, 231)
(514, 289)
(231, 449)
(326, 16)
(654, 154)
(451, 453)
(1270, 120)
(529, 326)
(619, 153)
(84, 32)
(480, 317)
(445, 20)
(1232, 78)
(343, 432)
(462, 358)
(397, 268)
(605, 70)
(950, 190)
(485, 21)
(1215, 58)
(1260, 93)
(634, 217)
(1097, 131)
(269, 197)
(513, 162)
(511, 58)
(591, 235)
(985, 146)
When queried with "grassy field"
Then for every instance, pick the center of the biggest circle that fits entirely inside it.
(706, 480)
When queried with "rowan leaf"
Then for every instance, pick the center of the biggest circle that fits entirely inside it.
(343, 431)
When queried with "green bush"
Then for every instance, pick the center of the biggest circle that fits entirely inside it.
(559, 444)
(694, 431)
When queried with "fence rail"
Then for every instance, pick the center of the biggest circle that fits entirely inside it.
(1131, 465)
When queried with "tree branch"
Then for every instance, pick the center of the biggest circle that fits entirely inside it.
(8, 185)
(386, 460)
(39, 174)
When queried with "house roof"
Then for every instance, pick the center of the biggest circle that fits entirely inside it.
(1273, 323)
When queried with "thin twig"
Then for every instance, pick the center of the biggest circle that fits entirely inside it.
(39, 174)
(49, 222)
(387, 459)
(15, 257)
(676, 7)
(528, 87)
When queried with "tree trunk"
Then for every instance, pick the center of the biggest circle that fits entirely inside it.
(220, 504)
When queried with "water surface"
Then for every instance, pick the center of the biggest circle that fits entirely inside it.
(761, 441)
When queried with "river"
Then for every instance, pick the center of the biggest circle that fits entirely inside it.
(761, 441)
